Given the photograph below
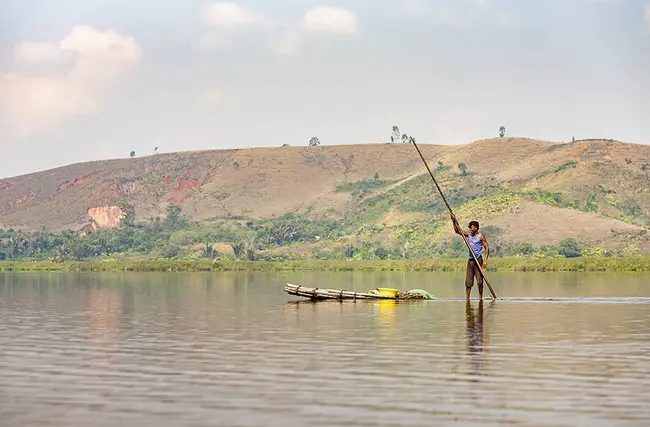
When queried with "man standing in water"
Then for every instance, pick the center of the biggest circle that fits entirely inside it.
(478, 244)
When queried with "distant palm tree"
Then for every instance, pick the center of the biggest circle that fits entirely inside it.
(132, 153)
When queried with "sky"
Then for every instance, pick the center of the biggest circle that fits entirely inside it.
(84, 80)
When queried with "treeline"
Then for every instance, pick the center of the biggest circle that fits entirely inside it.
(176, 237)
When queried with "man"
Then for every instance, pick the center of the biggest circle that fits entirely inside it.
(478, 245)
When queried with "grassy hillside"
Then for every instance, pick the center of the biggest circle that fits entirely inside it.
(354, 201)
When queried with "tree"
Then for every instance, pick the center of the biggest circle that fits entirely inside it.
(381, 253)
(396, 134)
(314, 142)
(155, 150)
(463, 169)
(238, 249)
(208, 251)
(132, 153)
(129, 215)
(174, 219)
(349, 252)
(405, 138)
(502, 131)
(569, 248)
(441, 166)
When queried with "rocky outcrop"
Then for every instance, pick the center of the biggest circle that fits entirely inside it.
(106, 216)
(103, 217)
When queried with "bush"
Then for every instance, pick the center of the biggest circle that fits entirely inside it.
(569, 248)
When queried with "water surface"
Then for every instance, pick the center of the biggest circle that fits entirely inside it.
(232, 349)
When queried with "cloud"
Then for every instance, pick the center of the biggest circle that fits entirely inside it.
(225, 19)
(37, 52)
(230, 16)
(646, 20)
(40, 103)
(332, 20)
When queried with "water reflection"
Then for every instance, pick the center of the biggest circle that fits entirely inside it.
(477, 335)
(189, 349)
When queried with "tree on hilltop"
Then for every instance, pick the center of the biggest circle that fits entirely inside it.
(502, 131)
(314, 141)
(397, 135)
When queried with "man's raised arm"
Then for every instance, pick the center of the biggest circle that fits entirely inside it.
(457, 227)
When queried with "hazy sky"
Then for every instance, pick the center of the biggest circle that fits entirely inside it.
(94, 79)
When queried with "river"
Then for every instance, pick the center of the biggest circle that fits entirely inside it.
(232, 349)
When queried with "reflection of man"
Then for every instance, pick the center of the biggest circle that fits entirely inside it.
(476, 337)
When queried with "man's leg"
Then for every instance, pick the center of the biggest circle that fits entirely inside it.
(479, 277)
(469, 278)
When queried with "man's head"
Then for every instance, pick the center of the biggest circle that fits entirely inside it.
(473, 226)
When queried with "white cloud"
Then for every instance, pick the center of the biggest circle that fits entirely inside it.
(646, 20)
(225, 19)
(230, 16)
(37, 52)
(330, 20)
(35, 104)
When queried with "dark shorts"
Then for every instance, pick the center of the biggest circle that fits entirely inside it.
(473, 271)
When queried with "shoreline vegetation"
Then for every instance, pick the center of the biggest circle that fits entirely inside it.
(512, 264)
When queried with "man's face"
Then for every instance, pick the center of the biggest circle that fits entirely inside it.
(473, 229)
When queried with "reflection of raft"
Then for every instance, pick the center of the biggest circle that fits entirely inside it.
(340, 294)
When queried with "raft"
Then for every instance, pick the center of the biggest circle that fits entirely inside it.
(341, 294)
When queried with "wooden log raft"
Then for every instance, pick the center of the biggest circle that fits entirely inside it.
(341, 294)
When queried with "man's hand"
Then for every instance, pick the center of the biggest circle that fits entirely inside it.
(484, 265)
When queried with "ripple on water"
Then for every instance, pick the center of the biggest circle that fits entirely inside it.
(107, 357)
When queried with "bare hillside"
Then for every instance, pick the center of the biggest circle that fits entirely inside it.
(597, 190)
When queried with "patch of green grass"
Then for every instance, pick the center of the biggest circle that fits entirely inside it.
(519, 264)
(553, 198)
(364, 187)
(567, 165)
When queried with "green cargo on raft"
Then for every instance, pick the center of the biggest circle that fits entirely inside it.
(373, 294)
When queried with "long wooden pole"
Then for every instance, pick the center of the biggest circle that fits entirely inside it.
(412, 140)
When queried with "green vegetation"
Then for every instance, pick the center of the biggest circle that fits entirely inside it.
(553, 198)
(362, 188)
(566, 165)
(632, 264)
(293, 237)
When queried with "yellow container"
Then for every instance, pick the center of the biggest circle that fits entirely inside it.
(388, 292)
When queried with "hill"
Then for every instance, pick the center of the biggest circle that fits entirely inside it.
(528, 195)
